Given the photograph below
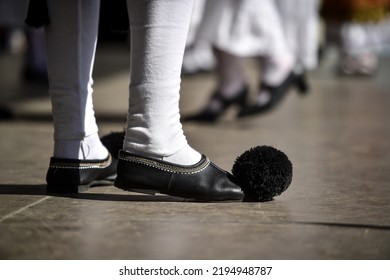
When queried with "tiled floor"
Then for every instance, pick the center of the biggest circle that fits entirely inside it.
(337, 207)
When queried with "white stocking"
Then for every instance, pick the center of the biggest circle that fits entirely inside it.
(158, 36)
(70, 42)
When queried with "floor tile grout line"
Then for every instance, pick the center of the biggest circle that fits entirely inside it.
(10, 215)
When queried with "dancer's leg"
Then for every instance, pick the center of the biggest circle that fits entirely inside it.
(158, 37)
(230, 73)
(279, 60)
(70, 42)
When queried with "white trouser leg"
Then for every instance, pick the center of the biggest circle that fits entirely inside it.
(278, 59)
(158, 36)
(300, 22)
(70, 42)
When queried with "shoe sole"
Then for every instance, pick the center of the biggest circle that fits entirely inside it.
(57, 189)
(121, 186)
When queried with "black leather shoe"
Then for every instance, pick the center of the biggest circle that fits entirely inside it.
(210, 116)
(73, 176)
(302, 84)
(202, 181)
(277, 94)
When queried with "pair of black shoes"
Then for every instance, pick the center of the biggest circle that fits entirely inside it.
(209, 115)
(203, 181)
(277, 93)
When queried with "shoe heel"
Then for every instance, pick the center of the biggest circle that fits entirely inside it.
(243, 99)
(66, 189)
(302, 85)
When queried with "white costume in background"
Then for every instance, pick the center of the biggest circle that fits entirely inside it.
(300, 21)
(245, 28)
(198, 55)
(360, 38)
(196, 20)
(360, 45)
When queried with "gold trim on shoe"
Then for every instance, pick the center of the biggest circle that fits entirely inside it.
(80, 164)
(192, 169)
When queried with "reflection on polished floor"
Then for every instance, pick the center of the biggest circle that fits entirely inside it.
(337, 207)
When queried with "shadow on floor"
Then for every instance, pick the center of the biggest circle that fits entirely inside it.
(13, 189)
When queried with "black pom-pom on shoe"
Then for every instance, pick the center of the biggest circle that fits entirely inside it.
(262, 172)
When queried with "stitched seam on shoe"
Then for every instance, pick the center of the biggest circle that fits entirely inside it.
(81, 165)
(166, 167)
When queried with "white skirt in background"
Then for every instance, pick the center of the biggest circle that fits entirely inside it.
(358, 38)
(244, 28)
(300, 21)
